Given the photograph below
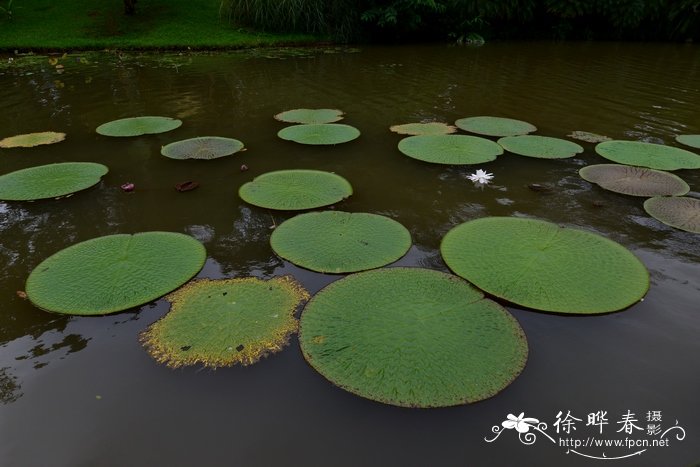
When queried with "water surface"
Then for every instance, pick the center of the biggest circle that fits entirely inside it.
(82, 391)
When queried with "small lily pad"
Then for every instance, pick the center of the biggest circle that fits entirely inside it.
(495, 126)
(319, 134)
(679, 212)
(114, 273)
(30, 140)
(450, 149)
(340, 242)
(542, 147)
(225, 322)
(50, 181)
(546, 267)
(689, 140)
(588, 137)
(310, 116)
(137, 126)
(295, 189)
(432, 128)
(412, 337)
(205, 147)
(654, 156)
(634, 181)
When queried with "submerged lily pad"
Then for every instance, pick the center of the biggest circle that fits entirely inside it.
(30, 140)
(654, 156)
(412, 337)
(226, 322)
(338, 242)
(679, 212)
(114, 273)
(310, 116)
(137, 126)
(204, 147)
(689, 140)
(319, 134)
(541, 265)
(542, 147)
(415, 129)
(495, 126)
(635, 181)
(589, 137)
(50, 181)
(295, 189)
(450, 149)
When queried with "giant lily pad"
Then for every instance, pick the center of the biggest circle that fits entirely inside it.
(295, 189)
(30, 140)
(50, 181)
(589, 137)
(137, 126)
(114, 273)
(654, 156)
(226, 322)
(689, 140)
(319, 134)
(542, 147)
(679, 212)
(635, 181)
(337, 242)
(412, 337)
(415, 129)
(310, 116)
(495, 126)
(450, 149)
(543, 266)
(205, 147)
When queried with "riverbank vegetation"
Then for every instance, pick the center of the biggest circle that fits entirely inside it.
(460, 20)
(87, 24)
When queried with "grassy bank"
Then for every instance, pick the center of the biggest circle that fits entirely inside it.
(98, 24)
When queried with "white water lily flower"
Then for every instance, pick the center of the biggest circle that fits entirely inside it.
(480, 176)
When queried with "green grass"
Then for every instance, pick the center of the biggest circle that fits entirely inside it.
(97, 24)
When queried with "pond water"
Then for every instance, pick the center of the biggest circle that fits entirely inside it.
(82, 391)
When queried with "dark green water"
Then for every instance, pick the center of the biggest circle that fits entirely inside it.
(82, 391)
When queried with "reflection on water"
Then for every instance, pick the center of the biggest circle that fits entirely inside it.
(52, 368)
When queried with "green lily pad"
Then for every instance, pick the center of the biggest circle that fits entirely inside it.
(319, 134)
(50, 181)
(679, 212)
(654, 156)
(310, 116)
(226, 322)
(635, 181)
(415, 129)
(495, 126)
(450, 149)
(137, 126)
(205, 147)
(546, 267)
(295, 190)
(30, 140)
(542, 147)
(588, 137)
(339, 242)
(689, 140)
(114, 273)
(412, 337)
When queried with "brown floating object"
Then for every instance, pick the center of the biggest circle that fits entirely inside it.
(186, 186)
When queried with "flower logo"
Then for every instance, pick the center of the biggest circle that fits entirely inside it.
(520, 423)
